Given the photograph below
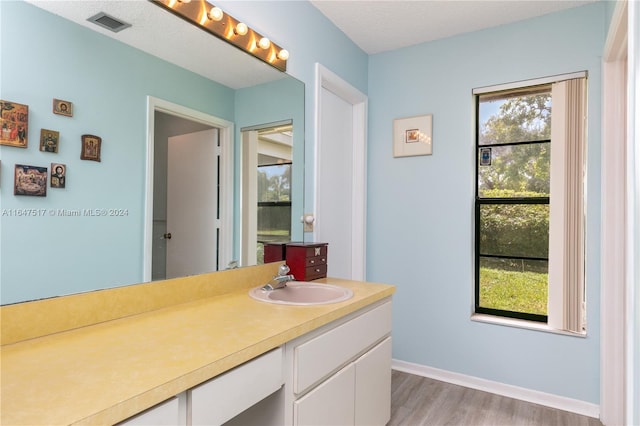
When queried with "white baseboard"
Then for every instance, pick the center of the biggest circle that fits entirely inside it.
(523, 394)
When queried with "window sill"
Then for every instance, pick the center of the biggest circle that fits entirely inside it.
(518, 323)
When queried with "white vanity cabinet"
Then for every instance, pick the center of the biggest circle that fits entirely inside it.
(341, 373)
(338, 374)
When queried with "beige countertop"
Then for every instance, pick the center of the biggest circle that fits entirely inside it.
(106, 372)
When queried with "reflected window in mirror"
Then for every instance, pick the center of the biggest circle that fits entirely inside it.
(274, 205)
(274, 180)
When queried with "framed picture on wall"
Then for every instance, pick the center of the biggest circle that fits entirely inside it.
(30, 180)
(49, 140)
(58, 175)
(61, 107)
(91, 145)
(14, 124)
(412, 136)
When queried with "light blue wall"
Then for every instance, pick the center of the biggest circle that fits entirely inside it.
(420, 209)
(46, 57)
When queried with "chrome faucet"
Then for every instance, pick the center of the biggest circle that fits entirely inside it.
(280, 280)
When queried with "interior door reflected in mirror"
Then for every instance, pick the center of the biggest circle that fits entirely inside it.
(267, 160)
(186, 197)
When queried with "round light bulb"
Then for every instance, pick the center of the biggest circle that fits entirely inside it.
(283, 54)
(241, 28)
(264, 43)
(215, 14)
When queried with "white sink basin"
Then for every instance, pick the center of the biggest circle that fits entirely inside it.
(303, 293)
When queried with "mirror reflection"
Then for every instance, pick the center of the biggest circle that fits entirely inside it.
(185, 194)
(268, 160)
(63, 250)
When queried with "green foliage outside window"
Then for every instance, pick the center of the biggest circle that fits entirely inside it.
(519, 230)
(276, 187)
(514, 229)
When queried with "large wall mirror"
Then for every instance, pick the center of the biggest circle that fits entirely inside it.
(104, 229)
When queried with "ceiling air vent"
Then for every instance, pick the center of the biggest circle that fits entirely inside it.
(108, 22)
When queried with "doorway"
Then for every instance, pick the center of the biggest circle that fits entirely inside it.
(340, 174)
(189, 192)
(187, 224)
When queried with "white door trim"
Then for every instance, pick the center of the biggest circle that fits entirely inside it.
(614, 397)
(333, 83)
(248, 197)
(632, 337)
(226, 129)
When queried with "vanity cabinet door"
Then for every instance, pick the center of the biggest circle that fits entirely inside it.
(331, 403)
(373, 386)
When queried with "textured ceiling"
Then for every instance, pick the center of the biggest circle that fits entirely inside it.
(378, 26)
(375, 26)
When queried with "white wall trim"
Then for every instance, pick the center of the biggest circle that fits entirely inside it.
(226, 129)
(332, 82)
(613, 232)
(510, 391)
(632, 279)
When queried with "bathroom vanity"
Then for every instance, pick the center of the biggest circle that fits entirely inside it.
(197, 350)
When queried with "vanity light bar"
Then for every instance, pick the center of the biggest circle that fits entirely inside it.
(211, 19)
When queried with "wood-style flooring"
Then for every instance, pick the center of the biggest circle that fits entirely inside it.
(417, 400)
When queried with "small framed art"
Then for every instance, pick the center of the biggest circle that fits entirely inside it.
(14, 124)
(412, 136)
(58, 175)
(91, 145)
(61, 107)
(30, 180)
(49, 140)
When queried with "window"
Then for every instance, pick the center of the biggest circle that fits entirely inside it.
(274, 205)
(529, 242)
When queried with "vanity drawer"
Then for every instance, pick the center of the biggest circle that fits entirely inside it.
(224, 397)
(316, 359)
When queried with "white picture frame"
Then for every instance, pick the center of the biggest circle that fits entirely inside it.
(412, 136)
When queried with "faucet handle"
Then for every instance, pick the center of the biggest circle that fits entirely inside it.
(283, 270)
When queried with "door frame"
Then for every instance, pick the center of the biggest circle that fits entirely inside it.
(620, 243)
(248, 197)
(226, 131)
(326, 79)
